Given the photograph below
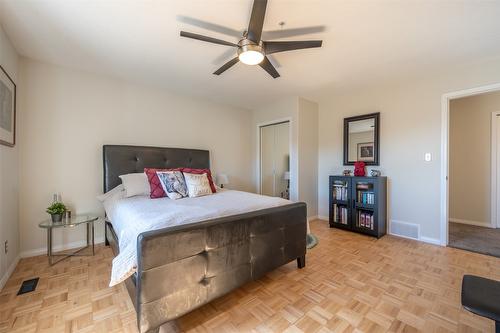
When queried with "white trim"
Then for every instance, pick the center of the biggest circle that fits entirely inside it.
(429, 240)
(323, 218)
(258, 152)
(445, 118)
(9, 272)
(470, 222)
(61, 247)
(494, 223)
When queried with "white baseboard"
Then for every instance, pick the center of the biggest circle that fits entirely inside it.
(430, 240)
(9, 272)
(69, 246)
(323, 218)
(470, 222)
(312, 218)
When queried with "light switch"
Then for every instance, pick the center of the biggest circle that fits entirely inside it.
(428, 157)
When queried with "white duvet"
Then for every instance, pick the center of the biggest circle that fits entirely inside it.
(132, 216)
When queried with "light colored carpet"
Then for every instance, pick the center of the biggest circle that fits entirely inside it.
(312, 241)
(474, 238)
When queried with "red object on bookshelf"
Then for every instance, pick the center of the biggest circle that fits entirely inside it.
(359, 169)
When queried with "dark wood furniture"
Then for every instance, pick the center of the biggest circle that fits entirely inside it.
(482, 297)
(359, 204)
(183, 267)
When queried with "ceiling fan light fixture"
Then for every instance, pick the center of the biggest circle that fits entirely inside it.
(250, 54)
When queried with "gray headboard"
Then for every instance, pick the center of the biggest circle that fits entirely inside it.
(120, 160)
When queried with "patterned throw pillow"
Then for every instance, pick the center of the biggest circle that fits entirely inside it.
(197, 184)
(202, 171)
(173, 184)
(154, 182)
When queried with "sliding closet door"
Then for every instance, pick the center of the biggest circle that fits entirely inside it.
(267, 160)
(275, 156)
(281, 157)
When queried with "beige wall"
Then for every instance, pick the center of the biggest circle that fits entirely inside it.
(68, 115)
(470, 157)
(410, 126)
(9, 176)
(308, 155)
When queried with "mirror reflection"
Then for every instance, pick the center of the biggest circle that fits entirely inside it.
(361, 140)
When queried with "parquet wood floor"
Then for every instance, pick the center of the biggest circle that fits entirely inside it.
(351, 283)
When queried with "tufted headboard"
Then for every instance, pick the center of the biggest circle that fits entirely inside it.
(120, 160)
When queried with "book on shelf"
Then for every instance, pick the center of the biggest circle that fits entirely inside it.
(340, 214)
(365, 220)
(340, 192)
(366, 197)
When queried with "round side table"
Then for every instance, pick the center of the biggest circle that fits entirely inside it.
(74, 221)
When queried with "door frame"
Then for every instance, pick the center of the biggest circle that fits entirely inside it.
(258, 150)
(445, 124)
(494, 223)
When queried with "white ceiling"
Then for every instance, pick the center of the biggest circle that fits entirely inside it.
(365, 41)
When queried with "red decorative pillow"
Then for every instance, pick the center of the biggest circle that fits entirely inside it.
(198, 172)
(154, 182)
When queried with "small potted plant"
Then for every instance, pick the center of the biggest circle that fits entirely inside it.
(56, 211)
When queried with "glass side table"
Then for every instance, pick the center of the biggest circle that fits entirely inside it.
(74, 221)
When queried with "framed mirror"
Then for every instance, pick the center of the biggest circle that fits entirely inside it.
(361, 139)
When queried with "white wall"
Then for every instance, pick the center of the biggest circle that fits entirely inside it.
(68, 115)
(9, 177)
(470, 157)
(410, 126)
(308, 155)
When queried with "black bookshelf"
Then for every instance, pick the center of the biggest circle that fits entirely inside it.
(359, 204)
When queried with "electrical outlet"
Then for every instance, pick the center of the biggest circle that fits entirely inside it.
(6, 246)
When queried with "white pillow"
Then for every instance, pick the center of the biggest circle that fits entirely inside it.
(135, 184)
(117, 191)
(197, 184)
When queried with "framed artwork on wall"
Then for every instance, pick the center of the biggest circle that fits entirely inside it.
(366, 152)
(7, 109)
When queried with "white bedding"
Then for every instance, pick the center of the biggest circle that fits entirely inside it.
(132, 216)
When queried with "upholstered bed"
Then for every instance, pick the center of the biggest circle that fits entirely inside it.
(182, 267)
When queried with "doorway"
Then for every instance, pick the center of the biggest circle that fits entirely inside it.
(474, 157)
(275, 159)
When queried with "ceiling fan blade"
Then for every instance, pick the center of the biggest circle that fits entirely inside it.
(206, 39)
(210, 26)
(268, 67)
(226, 66)
(274, 61)
(257, 20)
(227, 54)
(284, 33)
(275, 47)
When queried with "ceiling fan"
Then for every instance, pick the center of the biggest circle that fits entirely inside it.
(251, 49)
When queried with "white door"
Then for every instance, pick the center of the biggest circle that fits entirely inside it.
(267, 160)
(496, 224)
(274, 158)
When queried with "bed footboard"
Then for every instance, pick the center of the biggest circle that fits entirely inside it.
(184, 267)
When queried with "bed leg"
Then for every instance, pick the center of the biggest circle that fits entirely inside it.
(301, 262)
(106, 242)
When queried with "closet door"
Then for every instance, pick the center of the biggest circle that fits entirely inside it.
(267, 160)
(275, 156)
(281, 157)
